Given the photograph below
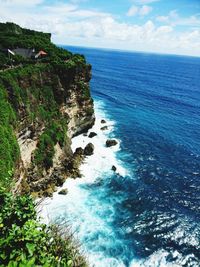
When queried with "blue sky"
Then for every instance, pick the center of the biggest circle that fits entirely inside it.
(162, 26)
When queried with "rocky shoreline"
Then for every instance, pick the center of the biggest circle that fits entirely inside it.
(57, 178)
(75, 203)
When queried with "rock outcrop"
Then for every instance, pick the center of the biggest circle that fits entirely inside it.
(114, 168)
(89, 149)
(63, 191)
(92, 134)
(111, 142)
(104, 128)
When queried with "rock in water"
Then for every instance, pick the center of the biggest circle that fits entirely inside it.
(92, 134)
(114, 168)
(63, 192)
(103, 121)
(89, 149)
(111, 142)
(78, 151)
(104, 128)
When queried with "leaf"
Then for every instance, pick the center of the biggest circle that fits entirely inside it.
(12, 264)
(31, 262)
(69, 263)
(31, 248)
(3, 256)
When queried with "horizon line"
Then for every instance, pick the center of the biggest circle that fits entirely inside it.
(129, 50)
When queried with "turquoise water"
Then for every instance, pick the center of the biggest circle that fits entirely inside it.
(150, 214)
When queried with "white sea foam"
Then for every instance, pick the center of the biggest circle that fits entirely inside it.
(86, 215)
(103, 157)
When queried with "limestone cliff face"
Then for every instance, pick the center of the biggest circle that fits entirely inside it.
(44, 102)
(52, 105)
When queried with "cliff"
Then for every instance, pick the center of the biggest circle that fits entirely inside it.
(43, 104)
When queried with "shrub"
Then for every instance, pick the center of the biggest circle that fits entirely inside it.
(27, 242)
(45, 151)
(54, 133)
(84, 89)
(9, 149)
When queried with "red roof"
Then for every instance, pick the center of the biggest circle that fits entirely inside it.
(42, 53)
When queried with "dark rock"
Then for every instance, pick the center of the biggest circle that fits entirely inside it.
(67, 148)
(111, 142)
(59, 180)
(32, 134)
(92, 134)
(25, 188)
(71, 165)
(89, 149)
(48, 192)
(85, 134)
(103, 121)
(104, 128)
(63, 192)
(113, 168)
(85, 126)
(78, 151)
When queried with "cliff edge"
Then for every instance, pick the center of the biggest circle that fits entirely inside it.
(44, 101)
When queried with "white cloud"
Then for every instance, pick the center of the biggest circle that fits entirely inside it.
(170, 18)
(70, 11)
(144, 2)
(72, 25)
(78, 1)
(133, 10)
(145, 10)
(141, 11)
(174, 19)
(17, 3)
(60, 9)
(107, 32)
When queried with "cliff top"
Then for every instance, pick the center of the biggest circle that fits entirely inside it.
(10, 28)
(12, 37)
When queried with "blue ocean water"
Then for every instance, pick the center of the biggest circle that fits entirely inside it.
(154, 217)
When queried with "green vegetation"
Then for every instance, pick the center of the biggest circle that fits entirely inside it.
(55, 133)
(84, 88)
(13, 36)
(9, 149)
(39, 102)
(32, 95)
(25, 242)
(20, 94)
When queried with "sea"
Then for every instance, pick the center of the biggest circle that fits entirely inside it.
(147, 212)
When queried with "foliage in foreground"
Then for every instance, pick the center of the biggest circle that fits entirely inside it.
(24, 241)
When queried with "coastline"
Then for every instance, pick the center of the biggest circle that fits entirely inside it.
(78, 209)
(146, 216)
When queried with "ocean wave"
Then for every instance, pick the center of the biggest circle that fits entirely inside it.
(90, 217)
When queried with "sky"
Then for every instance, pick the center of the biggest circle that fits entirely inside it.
(160, 26)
